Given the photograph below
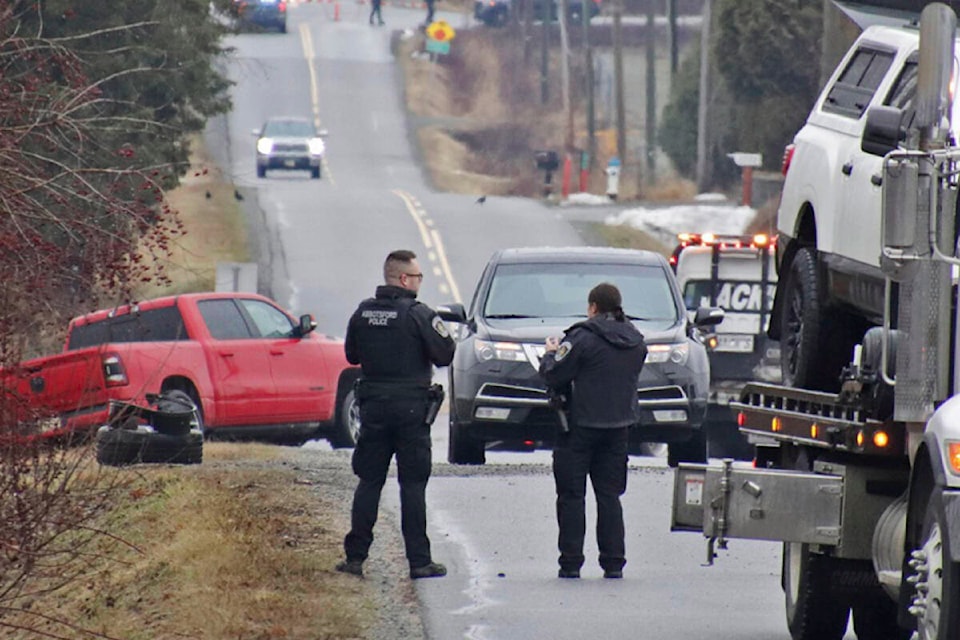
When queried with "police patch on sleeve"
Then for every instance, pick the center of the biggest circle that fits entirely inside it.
(562, 351)
(440, 327)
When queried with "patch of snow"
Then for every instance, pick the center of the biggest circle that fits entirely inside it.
(665, 223)
(586, 198)
(710, 197)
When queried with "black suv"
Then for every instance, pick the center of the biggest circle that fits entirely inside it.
(496, 13)
(526, 295)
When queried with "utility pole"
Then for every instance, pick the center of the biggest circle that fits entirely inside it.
(545, 54)
(565, 74)
(527, 30)
(704, 99)
(588, 89)
(651, 93)
(672, 37)
(618, 80)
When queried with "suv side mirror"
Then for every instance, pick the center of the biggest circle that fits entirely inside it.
(453, 312)
(708, 316)
(255, 133)
(883, 131)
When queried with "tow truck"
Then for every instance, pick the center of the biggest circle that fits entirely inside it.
(862, 486)
(734, 273)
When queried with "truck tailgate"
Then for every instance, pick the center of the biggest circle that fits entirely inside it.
(50, 386)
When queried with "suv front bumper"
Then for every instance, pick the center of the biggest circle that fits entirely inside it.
(499, 407)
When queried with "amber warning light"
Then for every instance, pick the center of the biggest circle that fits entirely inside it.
(953, 455)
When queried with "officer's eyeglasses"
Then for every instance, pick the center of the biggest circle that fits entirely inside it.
(414, 275)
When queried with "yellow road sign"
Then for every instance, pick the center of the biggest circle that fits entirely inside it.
(441, 31)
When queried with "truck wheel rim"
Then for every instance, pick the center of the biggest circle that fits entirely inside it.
(929, 593)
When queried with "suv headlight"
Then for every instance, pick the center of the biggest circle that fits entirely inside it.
(265, 145)
(676, 353)
(510, 351)
(316, 147)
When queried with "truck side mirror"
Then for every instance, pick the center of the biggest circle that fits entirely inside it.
(708, 316)
(307, 324)
(883, 131)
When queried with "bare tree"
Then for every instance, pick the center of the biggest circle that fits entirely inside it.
(79, 220)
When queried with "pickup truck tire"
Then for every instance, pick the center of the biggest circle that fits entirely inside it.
(813, 611)
(347, 429)
(119, 447)
(880, 394)
(463, 448)
(938, 615)
(815, 341)
(693, 450)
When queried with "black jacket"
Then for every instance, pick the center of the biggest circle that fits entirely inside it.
(596, 366)
(396, 339)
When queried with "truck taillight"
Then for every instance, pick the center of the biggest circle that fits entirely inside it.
(787, 158)
(282, 6)
(113, 372)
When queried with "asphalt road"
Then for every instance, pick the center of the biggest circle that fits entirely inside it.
(320, 246)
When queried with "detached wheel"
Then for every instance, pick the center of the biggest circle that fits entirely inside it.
(463, 448)
(936, 599)
(693, 450)
(816, 341)
(650, 449)
(120, 447)
(813, 612)
(347, 429)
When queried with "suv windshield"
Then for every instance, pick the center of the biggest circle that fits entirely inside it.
(288, 129)
(538, 290)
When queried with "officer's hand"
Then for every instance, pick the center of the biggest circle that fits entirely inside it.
(551, 344)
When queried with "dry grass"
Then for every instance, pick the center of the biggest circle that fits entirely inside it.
(239, 547)
(214, 225)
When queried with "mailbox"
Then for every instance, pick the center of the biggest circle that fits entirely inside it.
(547, 160)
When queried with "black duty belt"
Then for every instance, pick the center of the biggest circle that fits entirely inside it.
(367, 388)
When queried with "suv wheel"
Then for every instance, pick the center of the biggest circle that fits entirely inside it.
(693, 450)
(463, 448)
(816, 341)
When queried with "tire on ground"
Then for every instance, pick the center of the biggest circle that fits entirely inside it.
(463, 448)
(693, 450)
(813, 611)
(119, 447)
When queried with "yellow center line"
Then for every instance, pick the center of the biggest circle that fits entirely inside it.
(431, 240)
(307, 42)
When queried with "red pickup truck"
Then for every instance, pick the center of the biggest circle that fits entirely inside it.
(254, 371)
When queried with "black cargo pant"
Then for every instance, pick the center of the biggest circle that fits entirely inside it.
(388, 428)
(601, 454)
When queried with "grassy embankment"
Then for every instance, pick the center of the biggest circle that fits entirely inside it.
(240, 547)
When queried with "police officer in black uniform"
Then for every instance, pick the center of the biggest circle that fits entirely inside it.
(595, 368)
(396, 340)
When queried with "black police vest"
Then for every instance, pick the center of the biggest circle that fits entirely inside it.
(391, 349)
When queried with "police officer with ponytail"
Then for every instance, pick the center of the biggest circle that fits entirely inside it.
(397, 341)
(595, 367)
